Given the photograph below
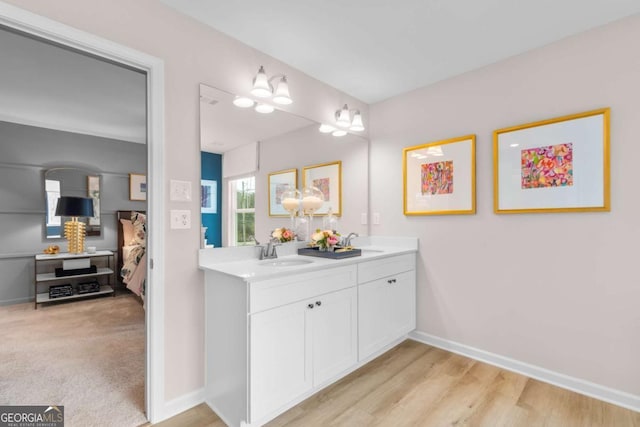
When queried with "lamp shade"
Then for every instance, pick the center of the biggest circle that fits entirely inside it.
(281, 95)
(74, 206)
(357, 124)
(261, 86)
(342, 117)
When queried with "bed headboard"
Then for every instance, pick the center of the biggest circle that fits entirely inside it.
(122, 215)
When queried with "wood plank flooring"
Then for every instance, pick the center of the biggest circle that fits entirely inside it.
(418, 385)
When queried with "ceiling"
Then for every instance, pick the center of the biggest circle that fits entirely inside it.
(376, 49)
(48, 86)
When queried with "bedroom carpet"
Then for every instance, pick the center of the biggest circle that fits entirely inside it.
(87, 355)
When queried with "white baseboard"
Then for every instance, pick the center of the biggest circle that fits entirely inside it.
(610, 395)
(182, 403)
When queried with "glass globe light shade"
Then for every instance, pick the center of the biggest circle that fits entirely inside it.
(261, 87)
(290, 200)
(356, 124)
(281, 96)
(342, 117)
(312, 200)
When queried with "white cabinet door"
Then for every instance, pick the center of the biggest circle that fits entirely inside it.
(373, 317)
(402, 304)
(280, 357)
(334, 334)
(386, 311)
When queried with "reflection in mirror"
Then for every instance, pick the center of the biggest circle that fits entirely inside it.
(242, 148)
(69, 181)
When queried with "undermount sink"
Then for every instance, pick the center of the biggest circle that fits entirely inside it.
(285, 262)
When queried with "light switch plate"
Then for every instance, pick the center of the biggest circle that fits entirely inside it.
(363, 219)
(180, 191)
(375, 218)
(180, 219)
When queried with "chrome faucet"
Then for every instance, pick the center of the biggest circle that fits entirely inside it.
(269, 251)
(347, 240)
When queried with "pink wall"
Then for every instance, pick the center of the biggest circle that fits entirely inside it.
(192, 54)
(559, 291)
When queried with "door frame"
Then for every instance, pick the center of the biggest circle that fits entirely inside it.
(30, 23)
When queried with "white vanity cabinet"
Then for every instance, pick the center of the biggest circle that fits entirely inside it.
(386, 302)
(276, 334)
(299, 346)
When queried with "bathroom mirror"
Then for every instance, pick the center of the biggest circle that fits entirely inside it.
(285, 141)
(70, 181)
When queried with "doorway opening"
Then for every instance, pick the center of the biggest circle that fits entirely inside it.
(34, 26)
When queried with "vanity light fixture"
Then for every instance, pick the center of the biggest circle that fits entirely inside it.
(339, 132)
(262, 87)
(344, 119)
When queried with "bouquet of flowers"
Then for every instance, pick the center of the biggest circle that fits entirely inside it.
(283, 234)
(325, 239)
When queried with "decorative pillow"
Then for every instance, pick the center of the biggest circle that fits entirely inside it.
(139, 221)
(127, 231)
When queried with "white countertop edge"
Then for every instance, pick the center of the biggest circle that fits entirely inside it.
(243, 262)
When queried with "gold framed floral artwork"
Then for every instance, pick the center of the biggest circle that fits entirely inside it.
(326, 177)
(554, 165)
(439, 178)
(278, 183)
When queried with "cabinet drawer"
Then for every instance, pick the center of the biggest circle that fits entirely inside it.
(372, 270)
(271, 293)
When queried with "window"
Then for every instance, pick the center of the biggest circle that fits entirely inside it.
(242, 205)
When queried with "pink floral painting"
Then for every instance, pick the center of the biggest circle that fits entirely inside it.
(322, 184)
(280, 189)
(548, 166)
(437, 178)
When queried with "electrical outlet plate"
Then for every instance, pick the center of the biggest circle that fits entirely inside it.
(180, 219)
(363, 218)
(180, 191)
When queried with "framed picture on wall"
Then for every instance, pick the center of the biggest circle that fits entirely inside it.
(93, 192)
(327, 178)
(278, 183)
(555, 165)
(137, 186)
(208, 196)
(439, 178)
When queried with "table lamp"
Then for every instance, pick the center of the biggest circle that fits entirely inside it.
(74, 230)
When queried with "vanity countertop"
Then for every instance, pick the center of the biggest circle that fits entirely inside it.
(245, 265)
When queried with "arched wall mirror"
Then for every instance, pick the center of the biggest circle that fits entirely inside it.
(244, 152)
(70, 181)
